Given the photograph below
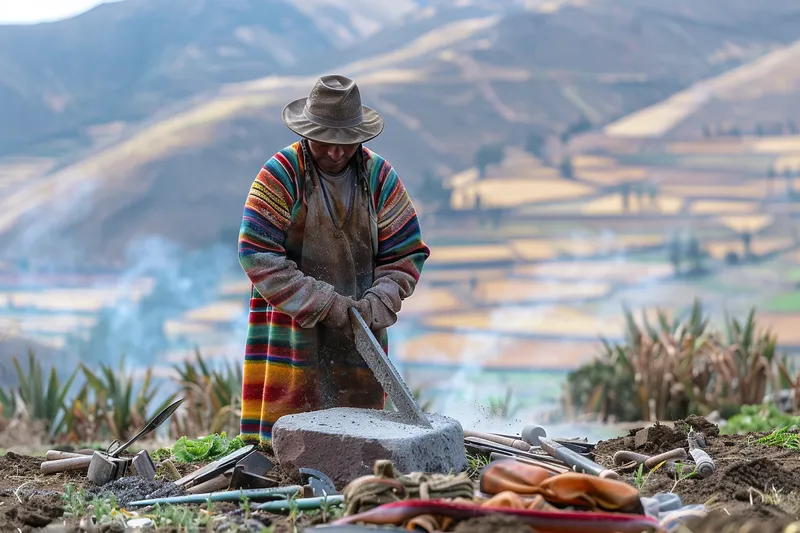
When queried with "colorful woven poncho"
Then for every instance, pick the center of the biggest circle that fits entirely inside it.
(285, 305)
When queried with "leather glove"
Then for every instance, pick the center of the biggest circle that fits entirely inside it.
(338, 315)
(382, 316)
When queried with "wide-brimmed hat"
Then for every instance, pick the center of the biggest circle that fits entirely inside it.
(333, 114)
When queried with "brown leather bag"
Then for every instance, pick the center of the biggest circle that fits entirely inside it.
(568, 489)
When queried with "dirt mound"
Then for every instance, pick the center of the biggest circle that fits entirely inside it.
(719, 521)
(751, 480)
(130, 489)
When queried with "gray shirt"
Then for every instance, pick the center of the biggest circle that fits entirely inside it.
(339, 189)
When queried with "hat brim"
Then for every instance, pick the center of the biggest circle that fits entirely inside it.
(371, 127)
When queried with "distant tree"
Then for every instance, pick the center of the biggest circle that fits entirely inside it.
(583, 124)
(694, 254)
(566, 168)
(788, 175)
(488, 155)
(759, 130)
(779, 128)
(706, 131)
(747, 238)
(731, 258)
(535, 145)
(433, 191)
(675, 253)
(792, 125)
(770, 180)
(735, 131)
(625, 192)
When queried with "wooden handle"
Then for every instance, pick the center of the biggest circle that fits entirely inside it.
(554, 469)
(608, 474)
(53, 455)
(505, 441)
(64, 465)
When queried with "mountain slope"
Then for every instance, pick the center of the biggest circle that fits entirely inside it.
(123, 61)
(445, 93)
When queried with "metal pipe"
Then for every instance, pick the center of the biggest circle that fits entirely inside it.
(301, 504)
(226, 496)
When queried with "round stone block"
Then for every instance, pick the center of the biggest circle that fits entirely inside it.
(344, 443)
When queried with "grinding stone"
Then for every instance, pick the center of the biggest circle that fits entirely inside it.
(344, 443)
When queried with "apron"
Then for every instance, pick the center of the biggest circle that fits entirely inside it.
(342, 253)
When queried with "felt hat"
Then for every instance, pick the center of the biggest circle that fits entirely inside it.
(332, 113)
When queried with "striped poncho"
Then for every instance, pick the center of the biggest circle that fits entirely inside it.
(285, 304)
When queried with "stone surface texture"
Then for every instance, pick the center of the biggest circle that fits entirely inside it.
(344, 443)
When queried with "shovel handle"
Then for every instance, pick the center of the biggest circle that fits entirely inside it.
(64, 465)
(53, 455)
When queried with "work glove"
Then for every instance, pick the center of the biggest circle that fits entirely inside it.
(338, 316)
(365, 310)
(382, 316)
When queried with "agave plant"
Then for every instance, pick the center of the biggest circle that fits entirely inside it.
(505, 407)
(214, 397)
(787, 378)
(745, 360)
(8, 403)
(123, 411)
(657, 372)
(43, 401)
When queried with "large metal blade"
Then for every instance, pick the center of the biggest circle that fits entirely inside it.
(385, 372)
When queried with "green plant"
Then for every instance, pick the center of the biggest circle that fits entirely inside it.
(746, 360)
(640, 480)
(758, 418)
(788, 379)
(205, 448)
(8, 403)
(43, 402)
(782, 438)
(672, 368)
(475, 464)
(213, 397)
(505, 407)
(682, 471)
(122, 410)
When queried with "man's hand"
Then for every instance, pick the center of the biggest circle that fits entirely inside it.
(364, 309)
(382, 317)
(338, 316)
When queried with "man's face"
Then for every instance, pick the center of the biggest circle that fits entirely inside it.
(331, 158)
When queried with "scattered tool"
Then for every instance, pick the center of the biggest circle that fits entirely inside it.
(104, 468)
(227, 496)
(624, 456)
(301, 504)
(317, 483)
(55, 455)
(517, 444)
(386, 374)
(216, 468)
(704, 464)
(531, 434)
(576, 460)
(492, 446)
(249, 473)
(550, 467)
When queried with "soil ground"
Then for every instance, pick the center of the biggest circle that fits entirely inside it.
(753, 483)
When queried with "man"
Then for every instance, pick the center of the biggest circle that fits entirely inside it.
(327, 226)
